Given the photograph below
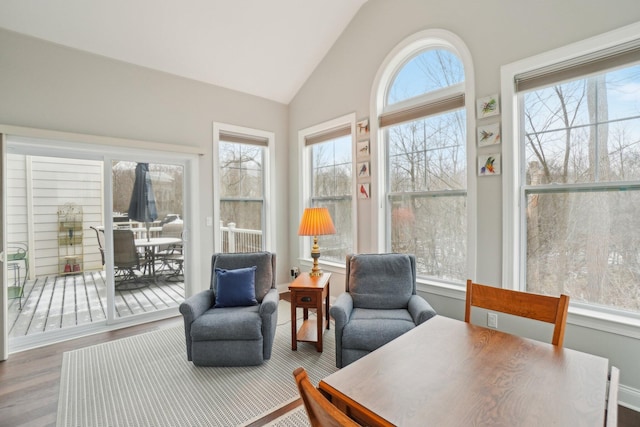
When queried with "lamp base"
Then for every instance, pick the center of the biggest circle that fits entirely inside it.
(315, 254)
(316, 273)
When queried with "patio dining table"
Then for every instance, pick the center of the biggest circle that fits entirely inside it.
(152, 245)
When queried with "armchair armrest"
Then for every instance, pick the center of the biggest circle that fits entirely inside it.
(341, 313)
(191, 309)
(420, 309)
(341, 310)
(194, 306)
(269, 303)
(269, 315)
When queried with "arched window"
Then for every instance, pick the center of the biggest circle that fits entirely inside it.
(426, 72)
(423, 129)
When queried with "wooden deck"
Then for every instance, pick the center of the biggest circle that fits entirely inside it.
(51, 303)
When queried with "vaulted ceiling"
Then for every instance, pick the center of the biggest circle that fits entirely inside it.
(266, 48)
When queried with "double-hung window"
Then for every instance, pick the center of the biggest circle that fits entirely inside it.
(241, 186)
(578, 129)
(329, 182)
(424, 140)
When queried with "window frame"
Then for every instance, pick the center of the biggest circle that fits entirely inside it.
(305, 171)
(395, 60)
(514, 222)
(269, 214)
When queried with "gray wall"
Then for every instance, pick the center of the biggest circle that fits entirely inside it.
(46, 86)
(497, 32)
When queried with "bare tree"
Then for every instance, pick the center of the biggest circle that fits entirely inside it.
(581, 236)
(550, 117)
(597, 246)
(427, 159)
(241, 185)
(332, 188)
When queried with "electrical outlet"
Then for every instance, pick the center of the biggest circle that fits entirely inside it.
(492, 320)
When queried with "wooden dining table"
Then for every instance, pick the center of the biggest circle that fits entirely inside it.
(446, 372)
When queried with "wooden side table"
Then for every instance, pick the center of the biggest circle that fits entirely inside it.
(309, 292)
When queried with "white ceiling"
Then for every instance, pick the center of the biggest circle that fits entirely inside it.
(266, 48)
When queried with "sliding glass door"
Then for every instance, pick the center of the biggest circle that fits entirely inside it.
(94, 238)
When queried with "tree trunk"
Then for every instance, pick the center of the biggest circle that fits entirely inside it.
(597, 207)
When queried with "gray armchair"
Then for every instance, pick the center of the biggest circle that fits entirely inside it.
(238, 335)
(379, 305)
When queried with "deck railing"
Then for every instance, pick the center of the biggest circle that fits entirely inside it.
(240, 239)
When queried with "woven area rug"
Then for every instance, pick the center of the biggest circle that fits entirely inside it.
(146, 380)
(294, 418)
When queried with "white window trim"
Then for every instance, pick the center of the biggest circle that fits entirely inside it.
(410, 46)
(512, 242)
(304, 171)
(268, 183)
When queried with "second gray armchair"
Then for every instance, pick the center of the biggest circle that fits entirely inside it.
(379, 305)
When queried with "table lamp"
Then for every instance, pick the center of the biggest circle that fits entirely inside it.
(316, 222)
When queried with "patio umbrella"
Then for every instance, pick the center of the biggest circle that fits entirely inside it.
(143, 202)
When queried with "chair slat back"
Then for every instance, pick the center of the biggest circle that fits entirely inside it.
(612, 398)
(524, 304)
(320, 411)
(172, 229)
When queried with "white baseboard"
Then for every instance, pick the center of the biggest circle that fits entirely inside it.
(283, 287)
(629, 397)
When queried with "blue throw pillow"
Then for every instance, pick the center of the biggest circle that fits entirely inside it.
(236, 288)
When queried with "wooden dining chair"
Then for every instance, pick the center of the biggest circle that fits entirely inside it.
(320, 411)
(611, 418)
(524, 304)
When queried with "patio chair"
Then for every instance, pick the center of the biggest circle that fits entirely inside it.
(127, 261)
(17, 258)
(100, 237)
(171, 256)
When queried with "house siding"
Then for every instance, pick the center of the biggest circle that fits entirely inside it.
(36, 188)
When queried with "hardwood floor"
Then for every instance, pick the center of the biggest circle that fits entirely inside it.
(30, 381)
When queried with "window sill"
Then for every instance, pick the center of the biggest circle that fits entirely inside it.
(606, 322)
(329, 266)
(578, 315)
(448, 290)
